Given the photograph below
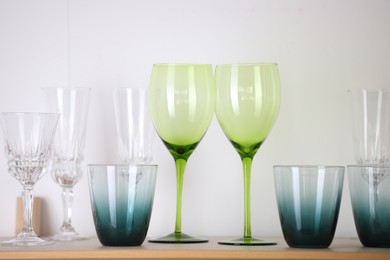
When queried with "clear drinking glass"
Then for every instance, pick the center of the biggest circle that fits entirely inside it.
(72, 104)
(369, 187)
(308, 200)
(371, 125)
(122, 201)
(181, 106)
(28, 147)
(247, 105)
(134, 126)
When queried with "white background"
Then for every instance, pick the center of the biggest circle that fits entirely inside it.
(323, 48)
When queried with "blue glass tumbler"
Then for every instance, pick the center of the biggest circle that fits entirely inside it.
(369, 187)
(308, 199)
(121, 201)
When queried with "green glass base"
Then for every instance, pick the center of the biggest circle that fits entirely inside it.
(178, 238)
(247, 241)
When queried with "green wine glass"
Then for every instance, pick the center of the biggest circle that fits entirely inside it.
(181, 107)
(247, 104)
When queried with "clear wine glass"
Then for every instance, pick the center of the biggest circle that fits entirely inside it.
(247, 104)
(181, 107)
(72, 104)
(28, 146)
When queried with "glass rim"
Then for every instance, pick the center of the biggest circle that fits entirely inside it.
(248, 64)
(129, 88)
(120, 165)
(369, 90)
(303, 166)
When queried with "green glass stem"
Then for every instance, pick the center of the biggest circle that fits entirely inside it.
(180, 167)
(247, 165)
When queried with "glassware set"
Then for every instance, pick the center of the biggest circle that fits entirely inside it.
(180, 103)
(246, 101)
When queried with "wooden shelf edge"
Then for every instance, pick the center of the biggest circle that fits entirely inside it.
(344, 249)
(193, 254)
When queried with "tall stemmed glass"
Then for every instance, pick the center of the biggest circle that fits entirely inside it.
(28, 142)
(371, 125)
(371, 135)
(247, 104)
(181, 106)
(72, 104)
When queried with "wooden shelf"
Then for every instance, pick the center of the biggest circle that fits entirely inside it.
(341, 248)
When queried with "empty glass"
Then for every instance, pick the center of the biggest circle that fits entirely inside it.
(121, 200)
(28, 141)
(181, 105)
(134, 126)
(370, 196)
(247, 105)
(371, 125)
(308, 199)
(72, 104)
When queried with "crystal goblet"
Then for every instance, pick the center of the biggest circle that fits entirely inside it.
(28, 148)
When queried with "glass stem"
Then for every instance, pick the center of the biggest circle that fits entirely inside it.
(180, 166)
(247, 165)
(28, 204)
(67, 202)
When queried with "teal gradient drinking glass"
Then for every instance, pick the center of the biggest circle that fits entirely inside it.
(121, 200)
(308, 199)
(369, 187)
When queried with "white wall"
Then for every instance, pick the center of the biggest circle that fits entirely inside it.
(323, 48)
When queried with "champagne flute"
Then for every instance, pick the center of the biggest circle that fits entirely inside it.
(134, 127)
(247, 104)
(72, 104)
(371, 125)
(181, 106)
(371, 135)
(28, 144)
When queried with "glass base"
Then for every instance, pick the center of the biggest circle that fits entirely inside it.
(26, 239)
(178, 238)
(247, 241)
(68, 236)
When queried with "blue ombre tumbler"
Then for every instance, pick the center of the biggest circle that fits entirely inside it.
(308, 199)
(369, 187)
(121, 201)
